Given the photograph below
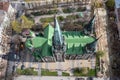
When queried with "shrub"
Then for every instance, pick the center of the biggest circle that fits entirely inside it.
(100, 53)
(65, 74)
(28, 71)
(84, 72)
(36, 13)
(110, 4)
(98, 4)
(81, 9)
(68, 10)
(61, 18)
(52, 12)
(48, 73)
(48, 20)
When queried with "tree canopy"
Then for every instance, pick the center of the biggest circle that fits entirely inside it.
(24, 22)
(110, 4)
(100, 53)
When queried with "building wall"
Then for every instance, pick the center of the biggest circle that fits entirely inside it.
(117, 12)
(11, 11)
(4, 24)
(34, 4)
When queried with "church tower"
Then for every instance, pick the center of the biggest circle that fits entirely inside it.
(58, 42)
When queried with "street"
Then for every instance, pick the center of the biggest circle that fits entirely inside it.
(56, 78)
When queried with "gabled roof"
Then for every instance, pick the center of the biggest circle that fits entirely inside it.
(76, 41)
(43, 43)
(46, 50)
(48, 31)
(38, 42)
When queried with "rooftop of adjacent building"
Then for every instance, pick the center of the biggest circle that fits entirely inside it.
(4, 6)
(117, 3)
(117, 6)
(2, 15)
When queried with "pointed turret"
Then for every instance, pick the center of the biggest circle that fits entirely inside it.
(92, 46)
(58, 43)
(89, 27)
(58, 39)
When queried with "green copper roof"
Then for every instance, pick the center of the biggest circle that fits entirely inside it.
(75, 41)
(38, 42)
(48, 31)
(28, 43)
(42, 45)
(32, 34)
(46, 50)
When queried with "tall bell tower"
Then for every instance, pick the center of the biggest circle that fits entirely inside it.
(58, 42)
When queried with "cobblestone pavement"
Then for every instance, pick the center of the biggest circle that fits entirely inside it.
(100, 29)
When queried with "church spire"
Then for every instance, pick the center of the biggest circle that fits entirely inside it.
(58, 39)
(89, 26)
(91, 47)
(58, 42)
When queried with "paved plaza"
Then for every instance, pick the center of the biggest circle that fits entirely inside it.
(54, 78)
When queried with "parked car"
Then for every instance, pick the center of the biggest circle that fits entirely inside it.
(79, 79)
(89, 78)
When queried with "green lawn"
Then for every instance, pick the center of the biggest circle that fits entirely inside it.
(48, 73)
(50, 19)
(44, 72)
(65, 74)
(73, 17)
(44, 12)
(81, 9)
(28, 71)
(91, 72)
(36, 13)
(52, 11)
(68, 10)
(52, 73)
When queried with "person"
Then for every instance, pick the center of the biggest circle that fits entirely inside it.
(13, 69)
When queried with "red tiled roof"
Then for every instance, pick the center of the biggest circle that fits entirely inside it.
(4, 6)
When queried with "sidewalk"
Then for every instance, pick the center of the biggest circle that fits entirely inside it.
(55, 78)
(100, 27)
(37, 18)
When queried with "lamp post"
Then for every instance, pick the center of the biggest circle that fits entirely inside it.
(39, 70)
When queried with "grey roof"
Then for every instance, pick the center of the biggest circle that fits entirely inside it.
(117, 3)
(2, 15)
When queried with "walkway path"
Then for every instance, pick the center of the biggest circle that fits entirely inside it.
(100, 28)
(54, 78)
(37, 18)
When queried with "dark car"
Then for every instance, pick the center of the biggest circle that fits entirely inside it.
(79, 79)
(89, 78)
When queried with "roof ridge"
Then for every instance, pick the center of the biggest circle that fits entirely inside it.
(47, 31)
